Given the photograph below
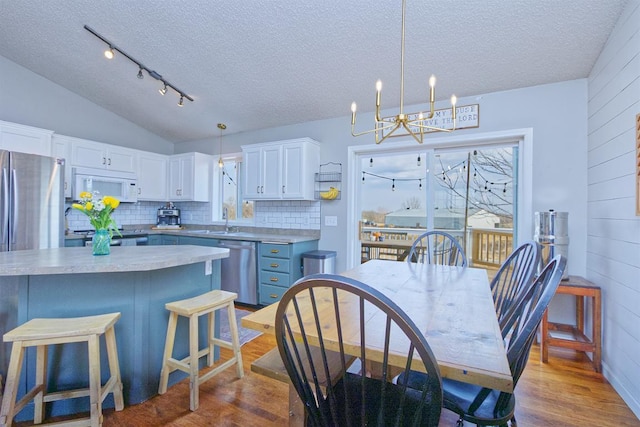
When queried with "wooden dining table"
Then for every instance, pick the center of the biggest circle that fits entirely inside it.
(452, 306)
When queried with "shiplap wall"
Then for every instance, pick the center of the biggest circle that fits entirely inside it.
(613, 241)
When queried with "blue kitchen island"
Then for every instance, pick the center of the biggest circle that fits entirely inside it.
(136, 281)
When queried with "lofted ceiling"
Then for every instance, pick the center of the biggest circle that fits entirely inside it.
(267, 63)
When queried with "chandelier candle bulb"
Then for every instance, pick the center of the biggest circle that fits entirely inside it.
(432, 92)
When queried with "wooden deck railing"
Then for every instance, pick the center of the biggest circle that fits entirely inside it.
(486, 248)
(490, 247)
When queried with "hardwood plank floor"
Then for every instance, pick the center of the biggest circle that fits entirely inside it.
(565, 392)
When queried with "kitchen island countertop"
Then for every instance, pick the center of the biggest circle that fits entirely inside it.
(121, 259)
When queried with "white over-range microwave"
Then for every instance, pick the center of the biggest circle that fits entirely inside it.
(121, 185)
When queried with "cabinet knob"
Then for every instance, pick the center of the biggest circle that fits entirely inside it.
(274, 296)
(274, 265)
(258, 189)
(283, 189)
(109, 162)
(104, 160)
(275, 251)
(262, 189)
(274, 279)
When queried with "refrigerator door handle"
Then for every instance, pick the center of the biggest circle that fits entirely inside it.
(4, 227)
(15, 203)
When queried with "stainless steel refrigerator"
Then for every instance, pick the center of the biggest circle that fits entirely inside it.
(31, 217)
(31, 201)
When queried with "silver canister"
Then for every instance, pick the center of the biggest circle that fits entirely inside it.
(552, 233)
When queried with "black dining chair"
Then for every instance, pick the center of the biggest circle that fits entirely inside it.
(327, 328)
(515, 273)
(437, 247)
(484, 406)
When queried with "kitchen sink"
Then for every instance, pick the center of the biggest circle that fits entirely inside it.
(218, 232)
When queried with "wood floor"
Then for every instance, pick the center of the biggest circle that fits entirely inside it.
(565, 392)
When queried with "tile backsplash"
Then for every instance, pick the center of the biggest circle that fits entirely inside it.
(285, 214)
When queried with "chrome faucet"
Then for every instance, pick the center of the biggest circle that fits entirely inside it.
(225, 215)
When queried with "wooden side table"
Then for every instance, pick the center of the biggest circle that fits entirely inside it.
(581, 289)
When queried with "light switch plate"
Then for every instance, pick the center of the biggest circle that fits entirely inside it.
(331, 221)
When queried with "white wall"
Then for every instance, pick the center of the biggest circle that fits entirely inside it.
(557, 113)
(30, 99)
(613, 232)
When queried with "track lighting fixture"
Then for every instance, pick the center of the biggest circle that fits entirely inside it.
(110, 53)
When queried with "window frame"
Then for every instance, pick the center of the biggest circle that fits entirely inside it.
(218, 183)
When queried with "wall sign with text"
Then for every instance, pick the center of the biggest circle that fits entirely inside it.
(467, 116)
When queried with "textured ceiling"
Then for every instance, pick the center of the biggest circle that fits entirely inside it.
(265, 63)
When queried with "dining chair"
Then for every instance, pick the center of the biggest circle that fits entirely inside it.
(484, 406)
(341, 342)
(515, 273)
(437, 247)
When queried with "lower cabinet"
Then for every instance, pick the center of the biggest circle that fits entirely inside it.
(73, 243)
(280, 266)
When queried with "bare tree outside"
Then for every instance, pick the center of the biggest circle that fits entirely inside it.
(412, 203)
(484, 180)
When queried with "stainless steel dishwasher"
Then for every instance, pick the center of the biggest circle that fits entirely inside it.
(239, 271)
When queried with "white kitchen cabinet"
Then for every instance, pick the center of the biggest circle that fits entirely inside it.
(281, 170)
(61, 148)
(262, 164)
(189, 177)
(97, 155)
(300, 161)
(25, 139)
(153, 183)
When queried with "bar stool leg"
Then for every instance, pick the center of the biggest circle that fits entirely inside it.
(11, 387)
(168, 352)
(94, 381)
(114, 368)
(235, 339)
(41, 375)
(193, 363)
(210, 337)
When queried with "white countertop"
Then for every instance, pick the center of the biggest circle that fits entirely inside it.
(121, 259)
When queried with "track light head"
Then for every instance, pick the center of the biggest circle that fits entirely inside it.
(109, 53)
(140, 75)
(181, 102)
(163, 91)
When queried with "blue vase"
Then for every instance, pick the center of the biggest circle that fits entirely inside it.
(101, 242)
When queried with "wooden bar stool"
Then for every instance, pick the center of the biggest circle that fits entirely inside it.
(193, 308)
(44, 332)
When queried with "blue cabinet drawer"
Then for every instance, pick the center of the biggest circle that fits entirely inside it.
(275, 264)
(274, 278)
(270, 294)
(275, 250)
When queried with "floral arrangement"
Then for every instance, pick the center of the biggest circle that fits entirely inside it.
(98, 210)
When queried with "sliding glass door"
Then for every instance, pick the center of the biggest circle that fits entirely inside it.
(469, 192)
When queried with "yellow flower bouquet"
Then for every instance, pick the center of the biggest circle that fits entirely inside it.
(99, 211)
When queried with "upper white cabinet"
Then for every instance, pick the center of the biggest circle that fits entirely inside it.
(153, 181)
(189, 177)
(25, 139)
(281, 170)
(103, 156)
(262, 166)
(61, 148)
